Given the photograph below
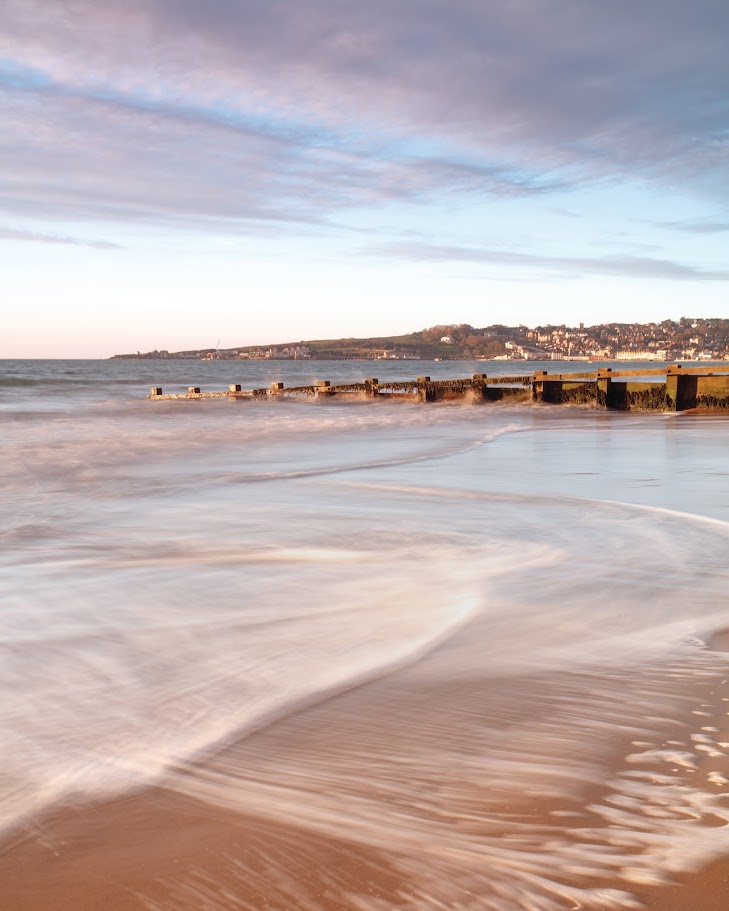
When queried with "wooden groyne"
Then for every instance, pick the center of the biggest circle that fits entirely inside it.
(671, 388)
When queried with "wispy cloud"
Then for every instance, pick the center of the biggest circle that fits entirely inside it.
(625, 266)
(44, 238)
(167, 111)
(696, 226)
(93, 155)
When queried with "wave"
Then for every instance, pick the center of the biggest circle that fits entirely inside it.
(417, 490)
(142, 691)
(534, 792)
(443, 452)
(20, 382)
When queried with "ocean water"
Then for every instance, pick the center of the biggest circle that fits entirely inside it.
(529, 591)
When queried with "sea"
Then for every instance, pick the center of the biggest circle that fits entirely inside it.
(482, 641)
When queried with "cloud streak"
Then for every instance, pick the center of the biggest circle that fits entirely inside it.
(43, 238)
(80, 155)
(620, 266)
(696, 226)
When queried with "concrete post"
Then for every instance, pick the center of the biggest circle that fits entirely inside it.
(604, 386)
(155, 390)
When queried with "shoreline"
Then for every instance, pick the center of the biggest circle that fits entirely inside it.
(291, 839)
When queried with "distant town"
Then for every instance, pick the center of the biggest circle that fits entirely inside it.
(685, 339)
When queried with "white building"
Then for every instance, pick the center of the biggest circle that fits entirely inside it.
(644, 355)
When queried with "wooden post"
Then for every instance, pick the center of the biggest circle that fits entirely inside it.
(234, 387)
(673, 387)
(193, 390)
(538, 379)
(323, 388)
(604, 386)
(276, 389)
(155, 390)
(372, 387)
(425, 394)
(479, 384)
(681, 389)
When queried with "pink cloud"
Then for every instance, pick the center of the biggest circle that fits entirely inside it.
(321, 99)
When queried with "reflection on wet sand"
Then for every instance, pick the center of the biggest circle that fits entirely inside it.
(592, 788)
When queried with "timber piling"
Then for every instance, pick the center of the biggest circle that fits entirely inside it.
(671, 388)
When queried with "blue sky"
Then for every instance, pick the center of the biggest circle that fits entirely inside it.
(174, 172)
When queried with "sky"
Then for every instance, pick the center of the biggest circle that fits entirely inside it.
(185, 173)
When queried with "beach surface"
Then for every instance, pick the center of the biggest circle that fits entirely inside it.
(321, 656)
(367, 801)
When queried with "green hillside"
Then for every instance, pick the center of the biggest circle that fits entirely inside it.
(465, 342)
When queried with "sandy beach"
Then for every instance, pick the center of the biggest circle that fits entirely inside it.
(366, 802)
(350, 657)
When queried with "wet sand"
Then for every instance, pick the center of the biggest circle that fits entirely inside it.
(124, 856)
(375, 799)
